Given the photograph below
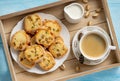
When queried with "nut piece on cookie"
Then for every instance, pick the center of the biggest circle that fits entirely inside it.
(34, 53)
(32, 23)
(26, 63)
(20, 40)
(44, 37)
(47, 62)
(58, 49)
(53, 26)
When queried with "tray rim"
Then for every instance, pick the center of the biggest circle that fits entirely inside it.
(111, 27)
(87, 72)
(35, 9)
(7, 52)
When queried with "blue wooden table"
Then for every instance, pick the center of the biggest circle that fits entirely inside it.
(114, 7)
(105, 75)
(4, 70)
(11, 6)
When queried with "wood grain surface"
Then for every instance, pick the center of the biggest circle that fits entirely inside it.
(71, 61)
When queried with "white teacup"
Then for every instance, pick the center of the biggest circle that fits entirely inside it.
(105, 38)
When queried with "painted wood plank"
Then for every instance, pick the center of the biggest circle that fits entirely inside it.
(101, 76)
(65, 78)
(7, 53)
(4, 69)
(7, 6)
(35, 8)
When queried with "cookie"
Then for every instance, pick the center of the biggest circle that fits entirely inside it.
(34, 52)
(59, 39)
(58, 49)
(26, 63)
(47, 62)
(32, 23)
(44, 37)
(53, 26)
(19, 40)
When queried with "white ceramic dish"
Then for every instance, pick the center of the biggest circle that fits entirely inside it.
(75, 45)
(64, 34)
(74, 12)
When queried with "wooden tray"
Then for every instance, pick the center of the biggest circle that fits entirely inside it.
(8, 22)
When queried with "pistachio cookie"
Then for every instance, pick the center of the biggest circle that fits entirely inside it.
(58, 49)
(53, 26)
(34, 52)
(32, 23)
(44, 37)
(26, 63)
(20, 40)
(47, 62)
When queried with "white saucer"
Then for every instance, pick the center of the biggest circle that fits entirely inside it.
(75, 44)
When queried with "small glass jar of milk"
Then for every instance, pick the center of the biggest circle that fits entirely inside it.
(74, 12)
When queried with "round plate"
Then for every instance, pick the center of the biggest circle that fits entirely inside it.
(64, 34)
(75, 45)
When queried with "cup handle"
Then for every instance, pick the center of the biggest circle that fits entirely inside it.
(112, 47)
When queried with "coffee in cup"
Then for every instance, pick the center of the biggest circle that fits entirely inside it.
(93, 45)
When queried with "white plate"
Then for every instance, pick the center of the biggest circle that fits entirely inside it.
(64, 34)
(75, 45)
